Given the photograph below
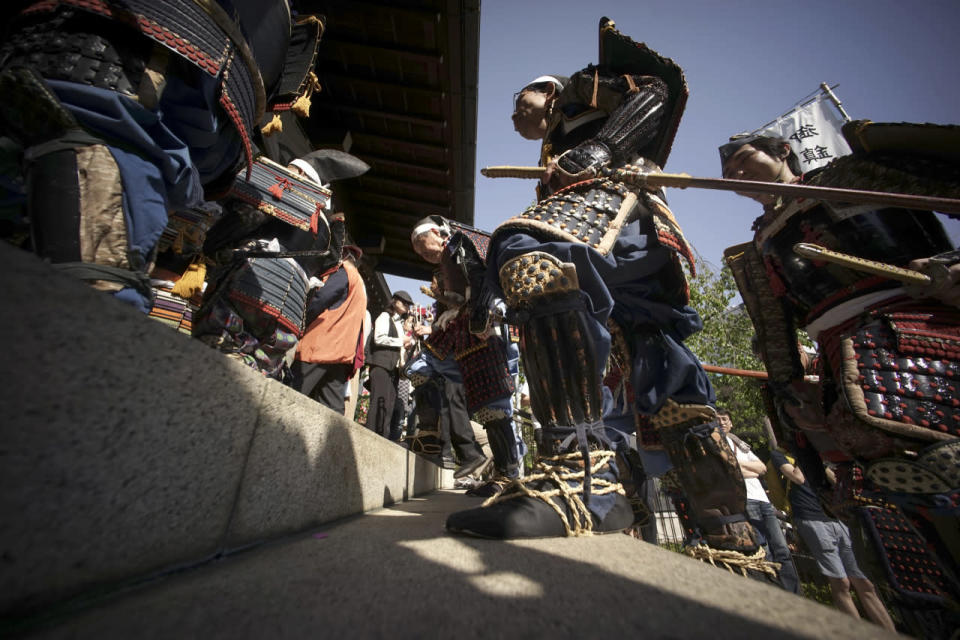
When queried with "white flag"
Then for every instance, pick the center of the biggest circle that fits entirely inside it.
(813, 132)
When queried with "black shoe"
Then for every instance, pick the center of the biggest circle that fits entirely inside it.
(532, 518)
(470, 466)
(449, 463)
(490, 488)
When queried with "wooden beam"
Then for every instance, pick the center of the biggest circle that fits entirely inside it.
(436, 123)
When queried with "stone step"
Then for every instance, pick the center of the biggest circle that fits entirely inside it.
(128, 450)
(395, 573)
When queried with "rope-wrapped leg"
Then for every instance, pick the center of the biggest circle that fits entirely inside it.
(427, 440)
(709, 476)
(506, 457)
(573, 489)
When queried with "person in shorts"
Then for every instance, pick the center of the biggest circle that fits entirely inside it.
(829, 542)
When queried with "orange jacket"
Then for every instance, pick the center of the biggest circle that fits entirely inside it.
(333, 337)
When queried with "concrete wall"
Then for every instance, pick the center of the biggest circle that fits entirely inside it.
(128, 449)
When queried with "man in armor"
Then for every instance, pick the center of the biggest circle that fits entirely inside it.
(484, 363)
(593, 271)
(270, 256)
(885, 411)
(127, 111)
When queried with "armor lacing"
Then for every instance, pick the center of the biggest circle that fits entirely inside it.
(560, 471)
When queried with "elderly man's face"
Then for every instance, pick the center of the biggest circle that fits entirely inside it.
(530, 115)
(749, 163)
(429, 246)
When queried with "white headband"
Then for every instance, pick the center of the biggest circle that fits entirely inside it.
(309, 172)
(543, 79)
(423, 228)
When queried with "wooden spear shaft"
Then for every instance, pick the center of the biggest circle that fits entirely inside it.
(744, 373)
(684, 181)
(748, 373)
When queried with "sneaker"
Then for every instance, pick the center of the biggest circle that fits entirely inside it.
(468, 482)
(490, 488)
(472, 466)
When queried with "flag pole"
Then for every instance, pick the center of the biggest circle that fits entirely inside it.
(835, 100)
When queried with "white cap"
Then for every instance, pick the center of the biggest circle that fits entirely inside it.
(308, 170)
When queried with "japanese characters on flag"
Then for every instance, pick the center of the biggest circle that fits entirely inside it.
(813, 131)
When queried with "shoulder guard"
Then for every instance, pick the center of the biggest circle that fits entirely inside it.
(635, 105)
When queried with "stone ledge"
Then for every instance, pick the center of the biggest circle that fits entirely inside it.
(394, 573)
(128, 449)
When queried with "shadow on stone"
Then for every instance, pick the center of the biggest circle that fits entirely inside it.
(128, 450)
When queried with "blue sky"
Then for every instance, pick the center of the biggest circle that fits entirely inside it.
(746, 63)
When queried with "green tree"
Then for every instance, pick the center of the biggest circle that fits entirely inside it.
(725, 341)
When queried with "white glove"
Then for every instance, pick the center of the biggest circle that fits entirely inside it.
(315, 282)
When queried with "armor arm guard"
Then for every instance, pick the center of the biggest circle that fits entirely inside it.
(628, 129)
(772, 319)
(471, 265)
(471, 270)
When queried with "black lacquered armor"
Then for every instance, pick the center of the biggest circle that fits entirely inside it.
(893, 236)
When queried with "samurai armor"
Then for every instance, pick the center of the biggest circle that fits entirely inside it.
(591, 215)
(479, 238)
(201, 34)
(276, 191)
(483, 361)
(620, 54)
(172, 310)
(771, 318)
(914, 573)
(891, 235)
(277, 287)
(709, 475)
(300, 58)
(898, 375)
(936, 470)
(187, 229)
(68, 50)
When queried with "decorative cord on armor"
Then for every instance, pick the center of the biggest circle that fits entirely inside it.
(557, 470)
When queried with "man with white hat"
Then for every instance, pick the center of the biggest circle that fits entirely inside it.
(485, 363)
